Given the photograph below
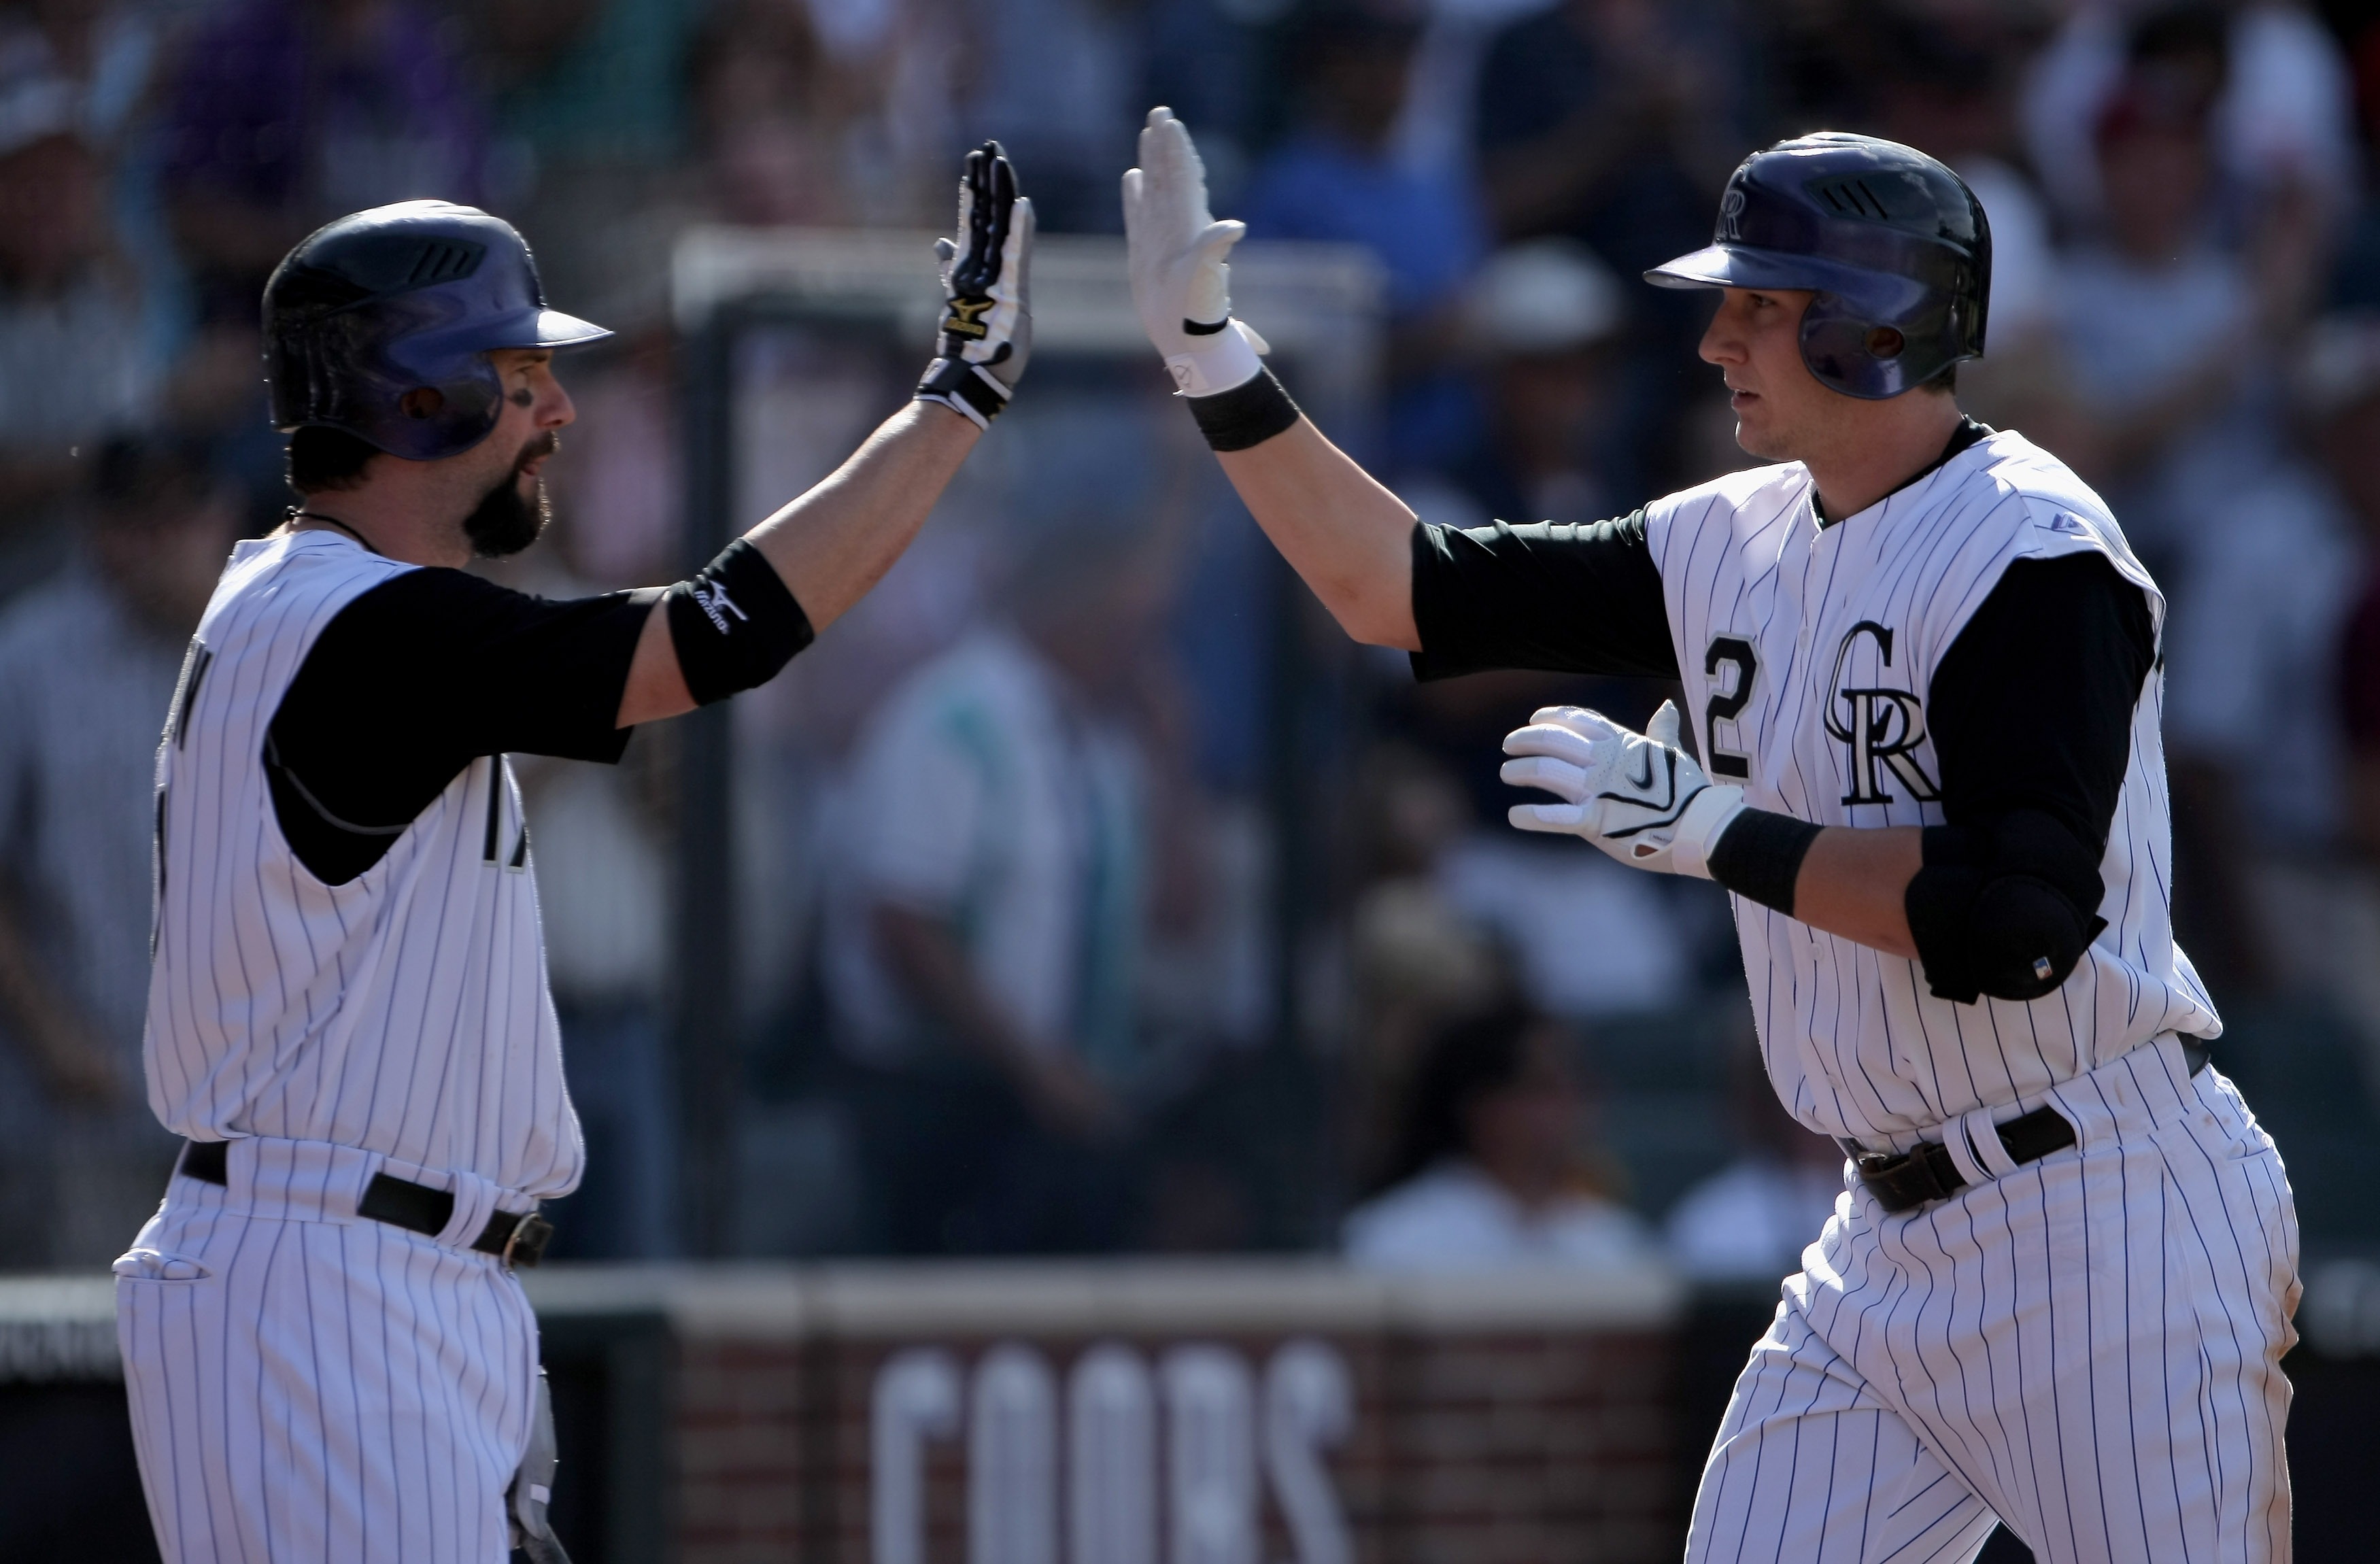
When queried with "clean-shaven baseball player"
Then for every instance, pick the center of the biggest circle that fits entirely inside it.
(1920, 662)
(328, 1355)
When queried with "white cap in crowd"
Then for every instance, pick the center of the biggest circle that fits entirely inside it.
(1542, 296)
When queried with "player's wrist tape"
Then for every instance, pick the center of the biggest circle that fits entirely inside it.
(966, 389)
(1759, 856)
(1248, 414)
(735, 624)
(1222, 361)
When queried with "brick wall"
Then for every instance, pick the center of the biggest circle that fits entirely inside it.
(1487, 1430)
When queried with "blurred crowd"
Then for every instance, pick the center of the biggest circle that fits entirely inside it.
(1011, 884)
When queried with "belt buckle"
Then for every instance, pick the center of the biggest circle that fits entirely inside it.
(526, 1244)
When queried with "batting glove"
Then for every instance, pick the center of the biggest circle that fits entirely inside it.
(1175, 251)
(1638, 796)
(987, 310)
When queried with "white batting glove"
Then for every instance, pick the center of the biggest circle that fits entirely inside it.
(1175, 251)
(1638, 796)
(987, 305)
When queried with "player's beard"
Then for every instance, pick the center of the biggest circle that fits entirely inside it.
(505, 521)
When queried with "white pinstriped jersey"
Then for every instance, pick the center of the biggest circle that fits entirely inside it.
(1807, 654)
(404, 1012)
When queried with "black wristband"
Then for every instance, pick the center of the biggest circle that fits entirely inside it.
(735, 624)
(1759, 856)
(1248, 414)
(965, 389)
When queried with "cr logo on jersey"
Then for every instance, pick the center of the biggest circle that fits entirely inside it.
(1883, 727)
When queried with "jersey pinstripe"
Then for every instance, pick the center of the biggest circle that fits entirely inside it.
(1807, 653)
(404, 1012)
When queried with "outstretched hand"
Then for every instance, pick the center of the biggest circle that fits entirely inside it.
(1181, 284)
(987, 328)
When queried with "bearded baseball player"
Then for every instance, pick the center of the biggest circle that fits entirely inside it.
(328, 1355)
(1921, 670)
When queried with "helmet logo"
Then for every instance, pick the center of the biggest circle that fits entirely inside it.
(1730, 213)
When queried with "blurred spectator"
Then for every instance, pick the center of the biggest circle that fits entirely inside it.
(2344, 392)
(2169, 332)
(289, 112)
(1588, 938)
(2265, 73)
(1541, 316)
(2252, 648)
(773, 114)
(1493, 1169)
(1057, 81)
(87, 663)
(1948, 90)
(1335, 177)
(1605, 121)
(998, 832)
(66, 298)
(1208, 61)
(576, 82)
(1750, 1220)
(1418, 963)
(105, 52)
(109, 54)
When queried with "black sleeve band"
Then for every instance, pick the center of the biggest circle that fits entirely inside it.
(1245, 415)
(2007, 910)
(735, 624)
(1759, 856)
(1552, 596)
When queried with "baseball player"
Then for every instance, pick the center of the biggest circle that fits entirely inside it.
(327, 1354)
(1919, 667)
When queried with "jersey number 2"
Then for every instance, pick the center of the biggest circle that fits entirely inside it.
(1726, 702)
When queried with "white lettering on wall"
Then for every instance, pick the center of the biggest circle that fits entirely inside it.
(1309, 1406)
(1218, 1441)
(916, 1398)
(1112, 1458)
(1211, 1455)
(1013, 1460)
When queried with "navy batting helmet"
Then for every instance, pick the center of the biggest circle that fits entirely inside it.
(1893, 243)
(380, 324)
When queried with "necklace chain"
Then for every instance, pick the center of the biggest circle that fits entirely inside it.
(298, 512)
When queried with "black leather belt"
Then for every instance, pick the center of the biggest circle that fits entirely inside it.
(518, 1238)
(1926, 1173)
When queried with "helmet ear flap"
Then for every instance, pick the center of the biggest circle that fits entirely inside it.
(1870, 359)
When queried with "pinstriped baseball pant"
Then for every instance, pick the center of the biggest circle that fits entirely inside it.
(311, 1391)
(2087, 1347)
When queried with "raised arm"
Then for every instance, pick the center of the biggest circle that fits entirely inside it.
(797, 572)
(1348, 537)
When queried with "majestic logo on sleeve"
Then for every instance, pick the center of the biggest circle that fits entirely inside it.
(1882, 727)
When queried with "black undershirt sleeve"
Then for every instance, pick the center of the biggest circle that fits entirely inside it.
(2031, 713)
(1557, 598)
(420, 676)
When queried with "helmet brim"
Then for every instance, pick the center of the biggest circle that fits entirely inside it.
(1879, 295)
(534, 326)
(551, 328)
